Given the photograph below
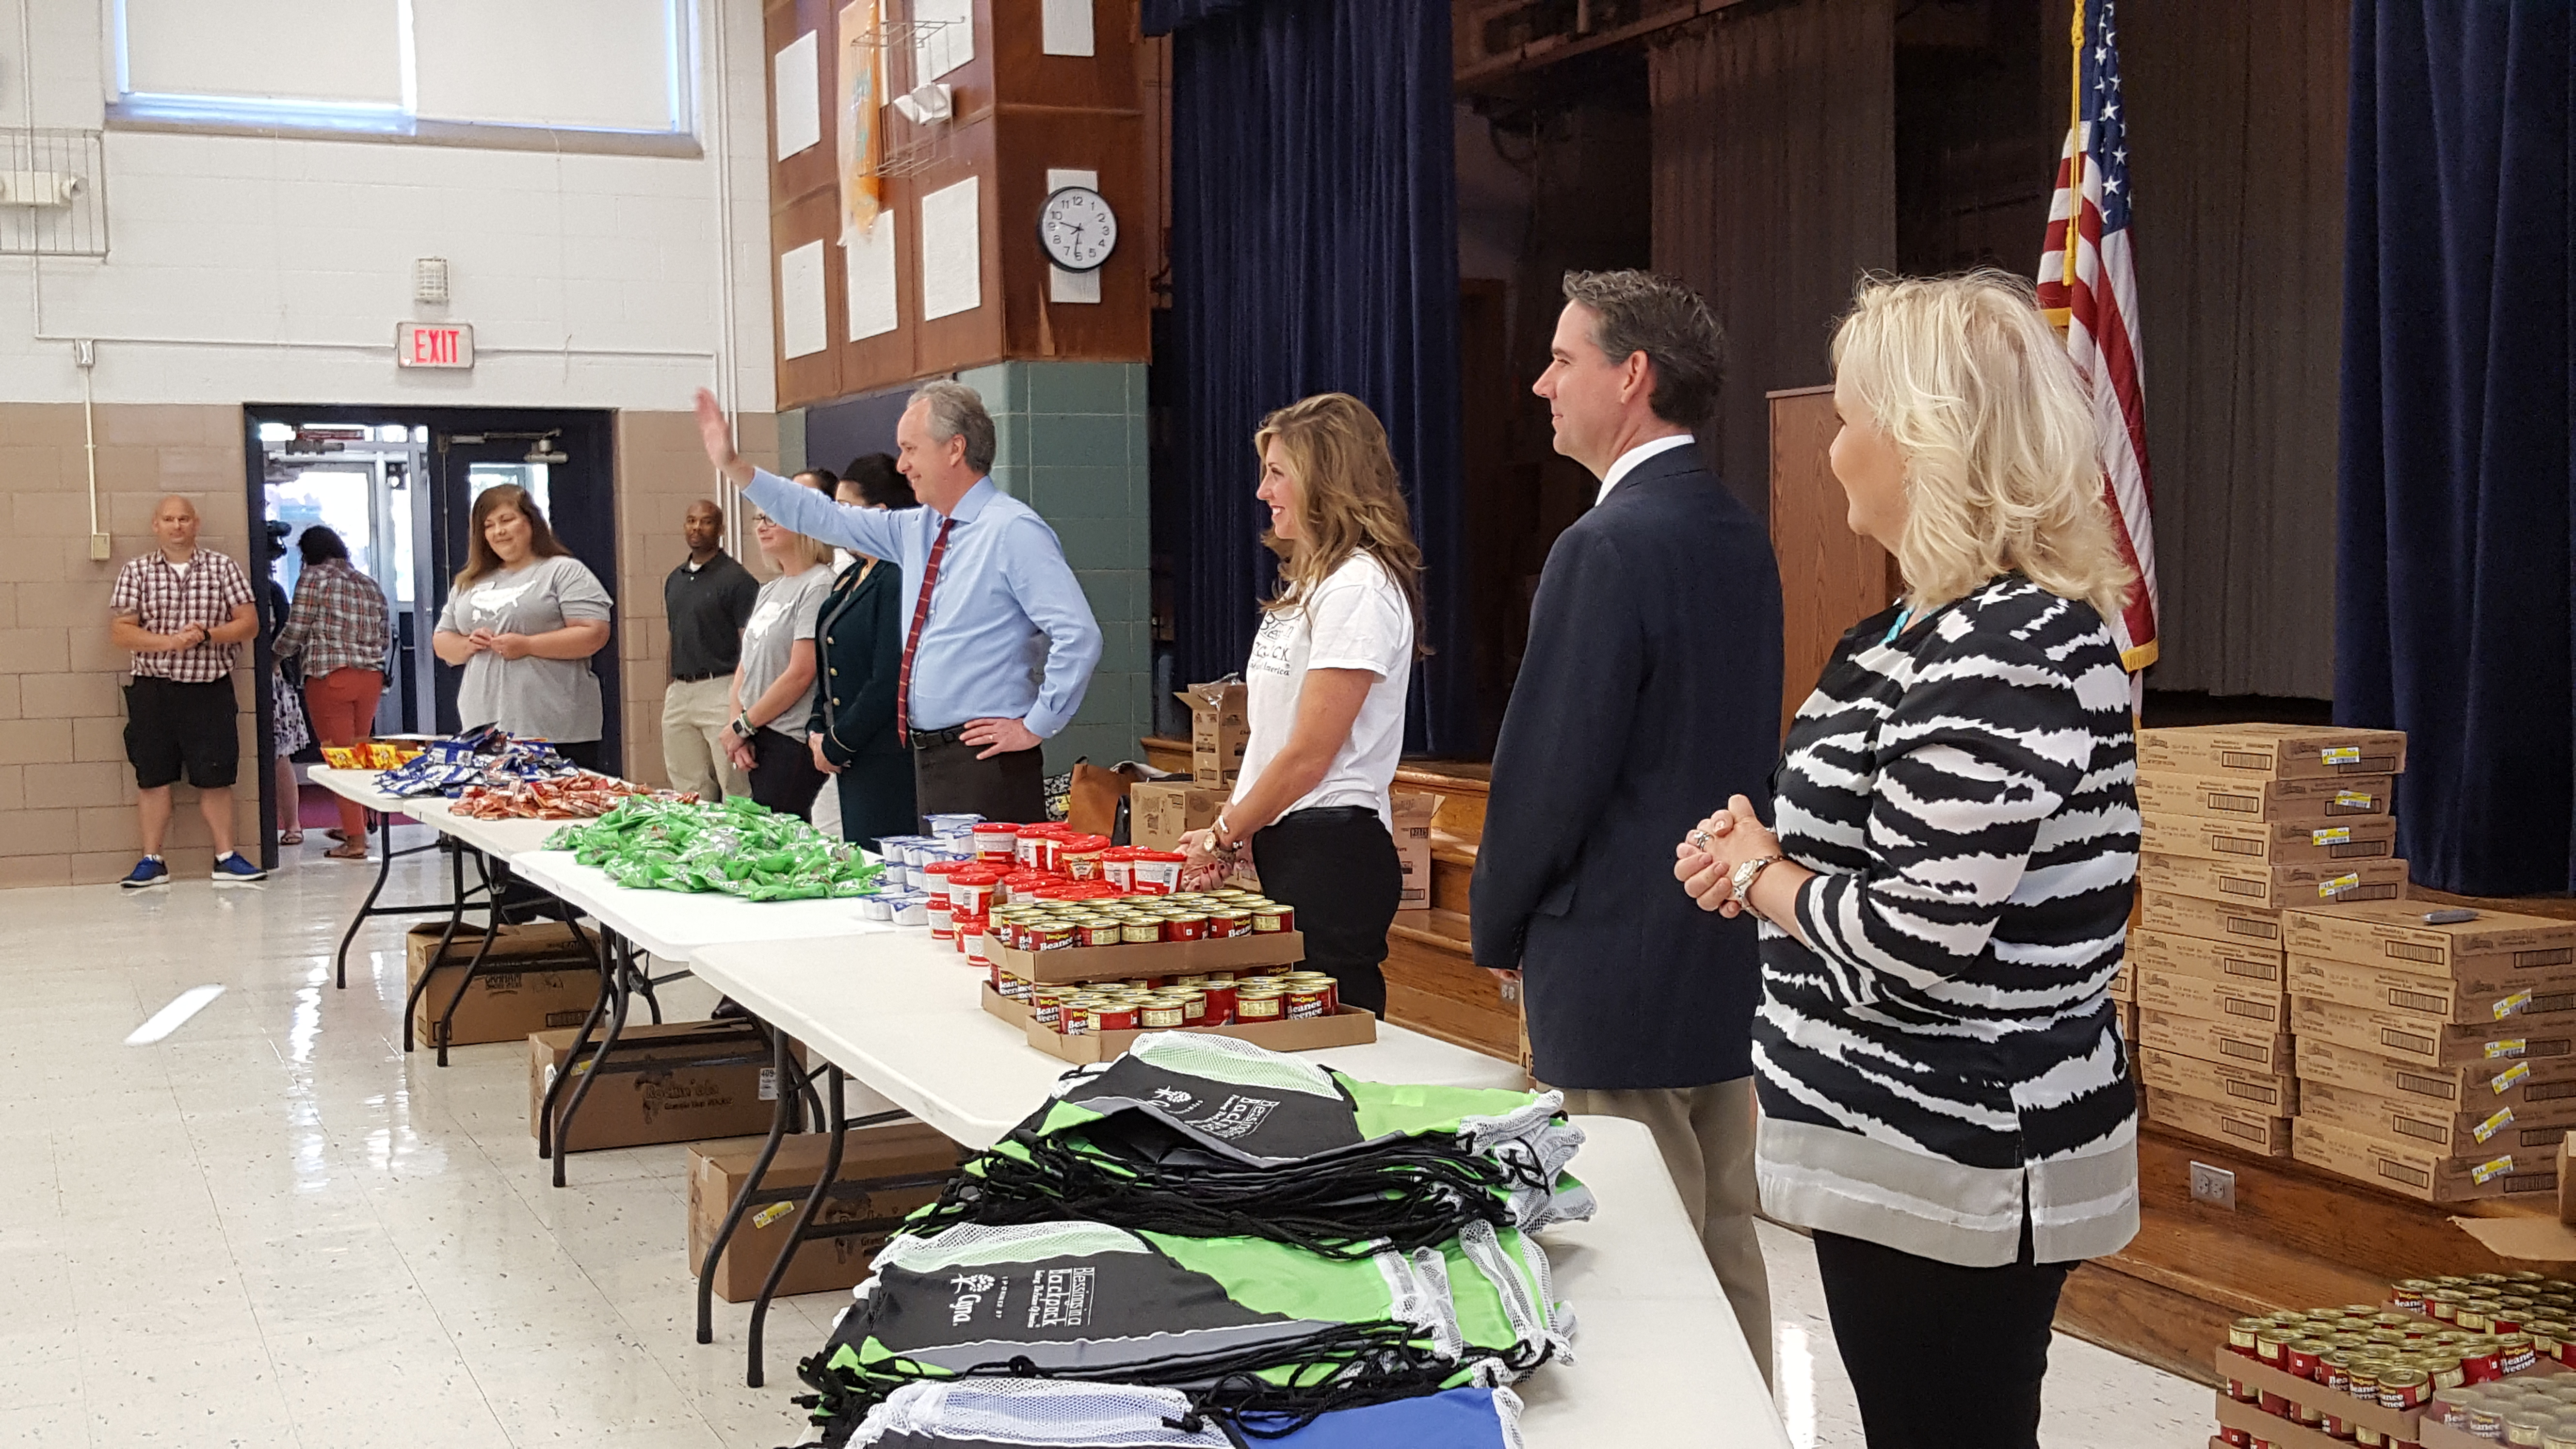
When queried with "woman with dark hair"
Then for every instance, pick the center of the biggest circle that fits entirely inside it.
(523, 620)
(858, 647)
(337, 632)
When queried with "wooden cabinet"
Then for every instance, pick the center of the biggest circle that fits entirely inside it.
(1830, 577)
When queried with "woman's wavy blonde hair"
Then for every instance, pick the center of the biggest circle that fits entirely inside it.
(2002, 473)
(1348, 500)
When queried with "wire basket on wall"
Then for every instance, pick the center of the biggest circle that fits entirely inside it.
(53, 193)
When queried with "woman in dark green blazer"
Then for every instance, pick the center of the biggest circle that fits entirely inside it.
(858, 646)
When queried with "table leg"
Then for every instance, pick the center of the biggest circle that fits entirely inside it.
(608, 986)
(384, 871)
(838, 1125)
(492, 890)
(781, 1122)
(623, 962)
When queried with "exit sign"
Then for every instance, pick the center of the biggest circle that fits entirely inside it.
(427, 344)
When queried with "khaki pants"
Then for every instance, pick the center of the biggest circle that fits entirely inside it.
(1706, 1137)
(694, 716)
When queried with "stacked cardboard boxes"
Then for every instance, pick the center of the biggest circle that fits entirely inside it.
(2242, 823)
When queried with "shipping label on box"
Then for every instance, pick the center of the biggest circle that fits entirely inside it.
(1160, 812)
(2426, 1174)
(2272, 1094)
(2395, 935)
(2271, 801)
(1219, 729)
(2263, 1008)
(2257, 842)
(2274, 887)
(886, 1172)
(1413, 814)
(2475, 1001)
(2251, 965)
(2169, 914)
(2271, 751)
(682, 1082)
(2413, 1039)
(2245, 1130)
(2260, 1048)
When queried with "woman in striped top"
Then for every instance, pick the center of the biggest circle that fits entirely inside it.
(1945, 1096)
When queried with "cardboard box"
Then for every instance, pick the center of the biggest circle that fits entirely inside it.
(2478, 1000)
(537, 978)
(2540, 1091)
(1162, 958)
(1219, 729)
(2260, 1048)
(1160, 812)
(2425, 1174)
(2202, 796)
(2394, 1119)
(1350, 1026)
(2246, 1131)
(885, 1173)
(2395, 935)
(2271, 752)
(2255, 841)
(2273, 887)
(1413, 814)
(2274, 1094)
(2250, 965)
(2258, 1007)
(684, 1082)
(2124, 982)
(2412, 1039)
(2170, 914)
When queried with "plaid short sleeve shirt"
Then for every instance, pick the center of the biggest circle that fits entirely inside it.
(338, 621)
(164, 599)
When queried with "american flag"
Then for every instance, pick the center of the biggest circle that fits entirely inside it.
(2089, 284)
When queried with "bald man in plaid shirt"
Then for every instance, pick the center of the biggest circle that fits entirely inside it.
(183, 612)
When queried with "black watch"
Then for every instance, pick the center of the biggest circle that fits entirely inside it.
(742, 727)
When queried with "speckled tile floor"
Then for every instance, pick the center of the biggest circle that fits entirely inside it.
(274, 1229)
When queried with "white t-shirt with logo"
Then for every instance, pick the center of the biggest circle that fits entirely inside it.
(1356, 619)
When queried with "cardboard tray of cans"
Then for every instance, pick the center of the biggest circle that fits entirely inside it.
(2492, 945)
(2186, 797)
(2277, 1388)
(2271, 843)
(2397, 1035)
(2271, 752)
(2272, 887)
(1347, 1026)
(2474, 1092)
(2420, 1170)
(1155, 958)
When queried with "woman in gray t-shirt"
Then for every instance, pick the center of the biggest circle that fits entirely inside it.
(524, 619)
(773, 689)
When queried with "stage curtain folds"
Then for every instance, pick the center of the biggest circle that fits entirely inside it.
(2454, 558)
(1314, 249)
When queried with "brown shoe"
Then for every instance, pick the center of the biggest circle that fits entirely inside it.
(353, 850)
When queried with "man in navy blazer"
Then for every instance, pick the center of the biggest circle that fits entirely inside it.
(1650, 687)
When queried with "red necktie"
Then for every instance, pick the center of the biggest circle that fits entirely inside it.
(912, 640)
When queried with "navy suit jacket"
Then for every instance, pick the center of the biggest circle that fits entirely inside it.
(1650, 693)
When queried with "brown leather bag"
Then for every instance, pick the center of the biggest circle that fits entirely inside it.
(1098, 801)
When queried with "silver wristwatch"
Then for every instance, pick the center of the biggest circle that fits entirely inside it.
(1741, 881)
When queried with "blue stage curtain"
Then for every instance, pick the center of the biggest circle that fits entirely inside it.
(2454, 552)
(1315, 249)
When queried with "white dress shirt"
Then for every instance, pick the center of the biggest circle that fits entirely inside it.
(1630, 459)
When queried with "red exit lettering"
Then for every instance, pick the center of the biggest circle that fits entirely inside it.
(418, 345)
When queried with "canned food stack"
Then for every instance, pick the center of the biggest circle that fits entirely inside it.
(2437, 1048)
(2449, 1362)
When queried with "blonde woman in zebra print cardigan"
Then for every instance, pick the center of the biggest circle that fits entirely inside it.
(1945, 1096)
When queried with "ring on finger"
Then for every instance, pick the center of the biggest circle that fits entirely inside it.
(1700, 839)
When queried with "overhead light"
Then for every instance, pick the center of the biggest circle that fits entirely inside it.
(924, 104)
(276, 432)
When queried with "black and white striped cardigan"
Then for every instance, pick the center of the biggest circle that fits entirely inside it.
(1944, 1051)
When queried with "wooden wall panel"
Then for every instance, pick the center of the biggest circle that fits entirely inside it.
(1830, 577)
(816, 374)
(1033, 140)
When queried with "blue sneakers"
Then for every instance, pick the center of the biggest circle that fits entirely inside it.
(149, 871)
(233, 870)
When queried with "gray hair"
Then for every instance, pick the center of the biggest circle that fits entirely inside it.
(957, 411)
(1637, 312)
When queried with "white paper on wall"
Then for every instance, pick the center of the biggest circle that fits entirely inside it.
(952, 250)
(802, 327)
(868, 259)
(1065, 28)
(797, 79)
(1064, 286)
(943, 37)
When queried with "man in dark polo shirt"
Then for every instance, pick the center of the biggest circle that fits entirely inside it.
(706, 601)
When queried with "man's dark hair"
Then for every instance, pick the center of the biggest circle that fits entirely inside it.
(880, 485)
(319, 544)
(825, 480)
(1643, 312)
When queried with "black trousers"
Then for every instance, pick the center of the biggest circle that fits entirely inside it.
(948, 780)
(1339, 868)
(588, 754)
(1941, 1355)
(783, 773)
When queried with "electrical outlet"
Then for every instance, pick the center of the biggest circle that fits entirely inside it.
(2213, 1186)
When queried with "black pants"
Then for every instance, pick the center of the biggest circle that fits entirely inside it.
(783, 774)
(949, 780)
(1941, 1355)
(588, 754)
(1339, 868)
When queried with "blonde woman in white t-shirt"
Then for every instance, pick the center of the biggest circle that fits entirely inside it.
(1325, 689)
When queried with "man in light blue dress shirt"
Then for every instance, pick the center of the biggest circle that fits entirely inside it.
(999, 660)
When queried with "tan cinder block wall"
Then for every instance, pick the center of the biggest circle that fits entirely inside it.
(66, 793)
(661, 469)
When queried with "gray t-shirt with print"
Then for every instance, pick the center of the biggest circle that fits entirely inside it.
(554, 699)
(782, 622)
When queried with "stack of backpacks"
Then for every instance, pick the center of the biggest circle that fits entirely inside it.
(1203, 1243)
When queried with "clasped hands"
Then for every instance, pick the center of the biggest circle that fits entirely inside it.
(508, 646)
(1705, 860)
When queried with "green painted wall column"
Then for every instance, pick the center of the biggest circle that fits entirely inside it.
(1070, 443)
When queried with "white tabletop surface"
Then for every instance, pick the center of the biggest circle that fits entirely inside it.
(359, 785)
(676, 925)
(504, 838)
